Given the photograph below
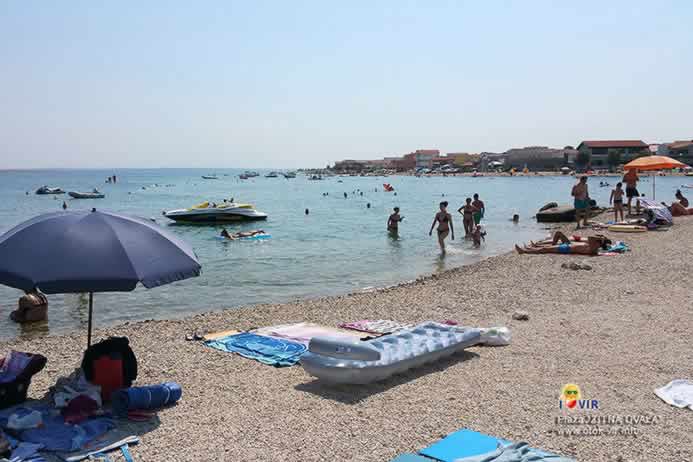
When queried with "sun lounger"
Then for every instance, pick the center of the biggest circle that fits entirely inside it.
(339, 361)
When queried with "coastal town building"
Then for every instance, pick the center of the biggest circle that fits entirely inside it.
(350, 166)
(680, 150)
(612, 152)
(540, 157)
(424, 157)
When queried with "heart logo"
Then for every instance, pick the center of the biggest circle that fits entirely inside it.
(571, 403)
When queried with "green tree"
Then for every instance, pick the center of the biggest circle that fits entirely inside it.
(583, 159)
(614, 158)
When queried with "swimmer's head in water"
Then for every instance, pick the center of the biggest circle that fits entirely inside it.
(516, 217)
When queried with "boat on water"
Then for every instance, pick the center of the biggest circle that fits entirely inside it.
(216, 213)
(272, 175)
(243, 176)
(95, 194)
(251, 174)
(210, 177)
(49, 190)
(315, 177)
(289, 175)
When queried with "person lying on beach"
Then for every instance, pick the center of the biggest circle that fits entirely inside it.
(444, 220)
(591, 247)
(679, 207)
(468, 211)
(617, 199)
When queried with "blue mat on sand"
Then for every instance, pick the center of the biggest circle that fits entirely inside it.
(268, 350)
(462, 443)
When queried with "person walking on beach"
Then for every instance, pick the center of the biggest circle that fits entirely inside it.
(393, 221)
(631, 180)
(468, 211)
(444, 220)
(481, 209)
(582, 201)
(617, 199)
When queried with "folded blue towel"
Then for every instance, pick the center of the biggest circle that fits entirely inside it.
(268, 350)
(462, 443)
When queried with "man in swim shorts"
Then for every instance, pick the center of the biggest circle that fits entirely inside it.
(631, 181)
(582, 201)
(590, 247)
(481, 209)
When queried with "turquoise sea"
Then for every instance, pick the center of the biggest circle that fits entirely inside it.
(341, 246)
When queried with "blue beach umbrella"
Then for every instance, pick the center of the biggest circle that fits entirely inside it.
(82, 251)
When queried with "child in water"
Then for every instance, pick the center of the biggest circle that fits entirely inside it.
(478, 235)
(617, 199)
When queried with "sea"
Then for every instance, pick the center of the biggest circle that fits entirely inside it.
(340, 246)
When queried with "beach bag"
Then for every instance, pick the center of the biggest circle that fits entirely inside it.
(110, 364)
(16, 370)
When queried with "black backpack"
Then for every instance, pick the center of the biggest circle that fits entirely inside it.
(116, 348)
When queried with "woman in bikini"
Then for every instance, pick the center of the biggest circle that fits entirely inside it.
(444, 220)
(468, 210)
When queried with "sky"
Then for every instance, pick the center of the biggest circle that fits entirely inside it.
(291, 84)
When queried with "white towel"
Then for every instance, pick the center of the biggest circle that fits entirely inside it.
(678, 393)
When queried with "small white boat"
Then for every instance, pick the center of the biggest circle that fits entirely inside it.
(272, 175)
(221, 213)
(49, 190)
(95, 194)
(289, 175)
(210, 177)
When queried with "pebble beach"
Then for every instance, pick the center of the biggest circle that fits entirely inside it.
(619, 330)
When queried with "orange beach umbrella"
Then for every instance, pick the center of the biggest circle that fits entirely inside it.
(652, 163)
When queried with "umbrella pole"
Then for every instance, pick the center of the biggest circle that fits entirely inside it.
(91, 306)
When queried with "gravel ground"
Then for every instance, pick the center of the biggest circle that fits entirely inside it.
(618, 330)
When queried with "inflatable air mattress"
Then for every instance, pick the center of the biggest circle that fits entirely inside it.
(357, 362)
(627, 228)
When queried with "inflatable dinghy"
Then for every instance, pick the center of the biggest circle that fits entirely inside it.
(357, 362)
(627, 228)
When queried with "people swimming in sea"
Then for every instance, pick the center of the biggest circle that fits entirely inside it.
(617, 199)
(515, 219)
(394, 220)
(64, 205)
(481, 209)
(591, 246)
(445, 226)
(241, 234)
(467, 211)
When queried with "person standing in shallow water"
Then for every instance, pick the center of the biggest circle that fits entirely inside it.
(468, 211)
(480, 207)
(445, 227)
(393, 221)
(581, 197)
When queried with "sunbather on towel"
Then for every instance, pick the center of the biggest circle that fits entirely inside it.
(591, 247)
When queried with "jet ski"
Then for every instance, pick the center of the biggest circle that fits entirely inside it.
(47, 190)
(216, 213)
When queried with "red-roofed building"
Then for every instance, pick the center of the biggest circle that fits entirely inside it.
(621, 150)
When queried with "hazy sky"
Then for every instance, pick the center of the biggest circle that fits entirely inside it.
(296, 83)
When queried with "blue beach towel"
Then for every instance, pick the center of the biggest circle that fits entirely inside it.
(268, 350)
(55, 434)
(462, 443)
(411, 458)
